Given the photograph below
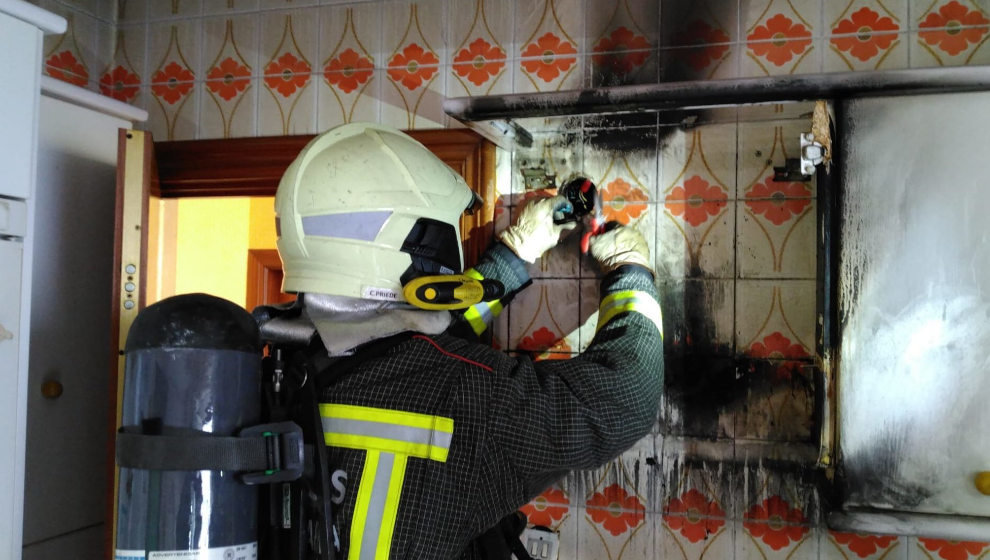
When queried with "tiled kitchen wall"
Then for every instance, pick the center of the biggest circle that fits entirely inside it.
(726, 474)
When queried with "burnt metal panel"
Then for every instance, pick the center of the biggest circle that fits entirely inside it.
(914, 302)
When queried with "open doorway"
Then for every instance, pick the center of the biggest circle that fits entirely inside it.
(223, 246)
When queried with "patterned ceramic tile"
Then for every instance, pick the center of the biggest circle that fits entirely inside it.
(276, 4)
(106, 35)
(698, 315)
(169, 9)
(866, 35)
(707, 153)
(550, 509)
(699, 40)
(635, 472)
(288, 59)
(776, 540)
(779, 401)
(697, 187)
(131, 11)
(544, 318)
(837, 545)
(779, 509)
(349, 83)
(174, 65)
(703, 62)
(71, 56)
(696, 243)
(614, 529)
(622, 40)
(567, 532)
(765, 145)
(224, 7)
(922, 548)
(775, 319)
(776, 232)
(782, 37)
(698, 493)
(689, 538)
(482, 34)
(414, 92)
(547, 38)
(698, 22)
(950, 33)
(231, 57)
(122, 80)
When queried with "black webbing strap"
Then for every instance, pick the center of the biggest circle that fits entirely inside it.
(265, 453)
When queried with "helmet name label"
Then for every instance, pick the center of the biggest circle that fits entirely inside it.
(380, 293)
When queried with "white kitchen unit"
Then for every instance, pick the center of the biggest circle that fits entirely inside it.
(22, 27)
(915, 302)
(69, 360)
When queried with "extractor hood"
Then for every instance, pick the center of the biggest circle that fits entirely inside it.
(497, 116)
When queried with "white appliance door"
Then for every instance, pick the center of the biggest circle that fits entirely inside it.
(11, 259)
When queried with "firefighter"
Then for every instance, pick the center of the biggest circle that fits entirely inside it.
(434, 438)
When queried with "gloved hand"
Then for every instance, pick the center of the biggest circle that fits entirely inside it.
(619, 245)
(534, 232)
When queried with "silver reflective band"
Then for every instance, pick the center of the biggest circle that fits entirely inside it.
(362, 226)
(630, 300)
(376, 506)
(384, 430)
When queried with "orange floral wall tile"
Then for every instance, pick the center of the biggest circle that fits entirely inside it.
(735, 250)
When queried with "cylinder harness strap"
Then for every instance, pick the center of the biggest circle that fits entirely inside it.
(264, 454)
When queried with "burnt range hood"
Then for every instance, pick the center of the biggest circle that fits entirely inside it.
(496, 116)
(887, 486)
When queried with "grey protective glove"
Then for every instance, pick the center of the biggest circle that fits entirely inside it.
(534, 232)
(620, 245)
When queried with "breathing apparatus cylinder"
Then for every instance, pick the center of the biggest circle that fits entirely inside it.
(192, 368)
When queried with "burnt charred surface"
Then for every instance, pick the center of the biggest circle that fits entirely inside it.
(877, 476)
(714, 390)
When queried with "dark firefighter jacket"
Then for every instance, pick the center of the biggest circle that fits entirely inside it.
(436, 438)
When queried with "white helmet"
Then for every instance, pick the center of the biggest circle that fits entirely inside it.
(363, 210)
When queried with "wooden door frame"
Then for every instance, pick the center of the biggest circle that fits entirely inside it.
(254, 167)
(264, 271)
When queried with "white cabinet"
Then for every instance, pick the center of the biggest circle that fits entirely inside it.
(22, 27)
(915, 302)
(74, 212)
(19, 100)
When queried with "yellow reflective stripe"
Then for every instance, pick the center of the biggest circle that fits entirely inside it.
(361, 505)
(474, 318)
(399, 447)
(391, 507)
(496, 307)
(386, 416)
(481, 314)
(473, 274)
(630, 300)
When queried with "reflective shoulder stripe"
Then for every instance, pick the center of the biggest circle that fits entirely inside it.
(390, 438)
(481, 314)
(630, 300)
(392, 431)
(473, 274)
